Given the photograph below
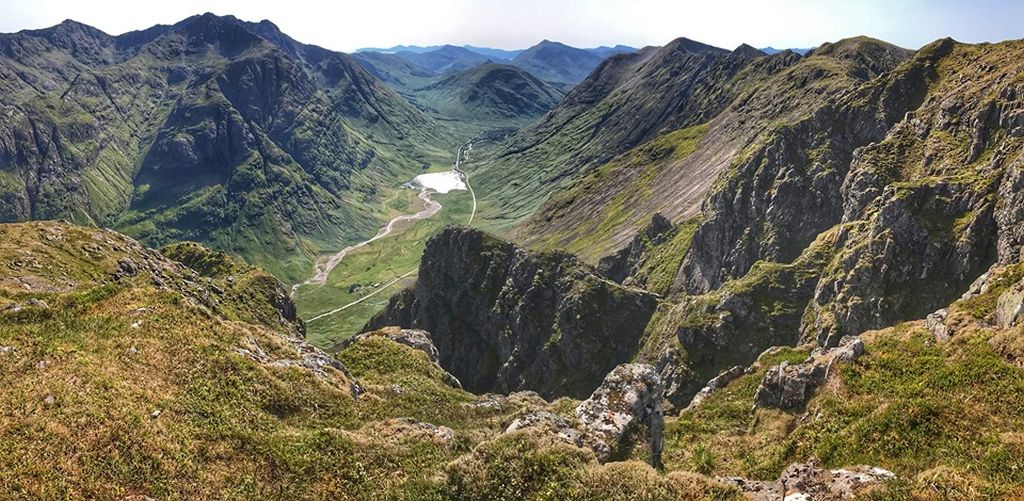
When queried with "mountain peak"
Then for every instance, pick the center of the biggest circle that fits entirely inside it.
(683, 44)
(747, 51)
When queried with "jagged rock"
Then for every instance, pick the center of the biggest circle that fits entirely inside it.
(505, 319)
(788, 386)
(12, 308)
(624, 264)
(902, 246)
(1010, 306)
(550, 423)
(936, 323)
(6, 349)
(979, 286)
(628, 404)
(811, 482)
(716, 383)
(1010, 213)
(679, 383)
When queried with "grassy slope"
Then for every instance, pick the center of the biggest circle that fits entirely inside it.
(96, 408)
(946, 417)
(626, 182)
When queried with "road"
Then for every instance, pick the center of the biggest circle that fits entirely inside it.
(465, 177)
(431, 207)
(324, 267)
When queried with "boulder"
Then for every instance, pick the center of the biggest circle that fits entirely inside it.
(809, 481)
(789, 386)
(1010, 306)
(936, 323)
(624, 408)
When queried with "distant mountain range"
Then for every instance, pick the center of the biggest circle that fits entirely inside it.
(772, 50)
(553, 62)
(603, 51)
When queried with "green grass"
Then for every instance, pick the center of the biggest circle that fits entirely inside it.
(367, 268)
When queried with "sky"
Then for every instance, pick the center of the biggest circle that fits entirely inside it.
(347, 25)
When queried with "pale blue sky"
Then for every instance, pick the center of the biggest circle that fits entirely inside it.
(347, 25)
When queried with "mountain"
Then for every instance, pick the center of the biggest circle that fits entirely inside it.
(557, 62)
(580, 325)
(487, 52)
(773, 50)
(628, 100)
(447, 59)
(841, 270)
(212, 129)
(495, 54)
(605, 52)
(394, 70)
(495, 93)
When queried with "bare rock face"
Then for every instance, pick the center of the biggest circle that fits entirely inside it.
(809, 481)
(626, 406)
(1010, 211)
(789, 386)
(623, 264)
(505, 319)
(1010, 307)
(936, 323)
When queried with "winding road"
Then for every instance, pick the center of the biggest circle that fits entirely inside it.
(325, 266)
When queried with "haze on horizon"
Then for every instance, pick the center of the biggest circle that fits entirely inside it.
(348, 25)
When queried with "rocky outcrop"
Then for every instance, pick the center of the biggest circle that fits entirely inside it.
(1010, 307)
(809, 481)
(787, 386)
(413, 338)
(782, 192)
(549, 423)
(622, 419)
(627, 261)
(504, 319)
(905, 246)
(1010, 208)
(625, 411)
(716, 383)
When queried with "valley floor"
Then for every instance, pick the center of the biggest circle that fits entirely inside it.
(352, 285)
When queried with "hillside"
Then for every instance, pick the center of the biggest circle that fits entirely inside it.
(559, 63)
(183, 375)
(671, 171)
(628, 100)
(395, 70)
(852, 264)
(490, 93)
(444, 60)
(211, 130)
